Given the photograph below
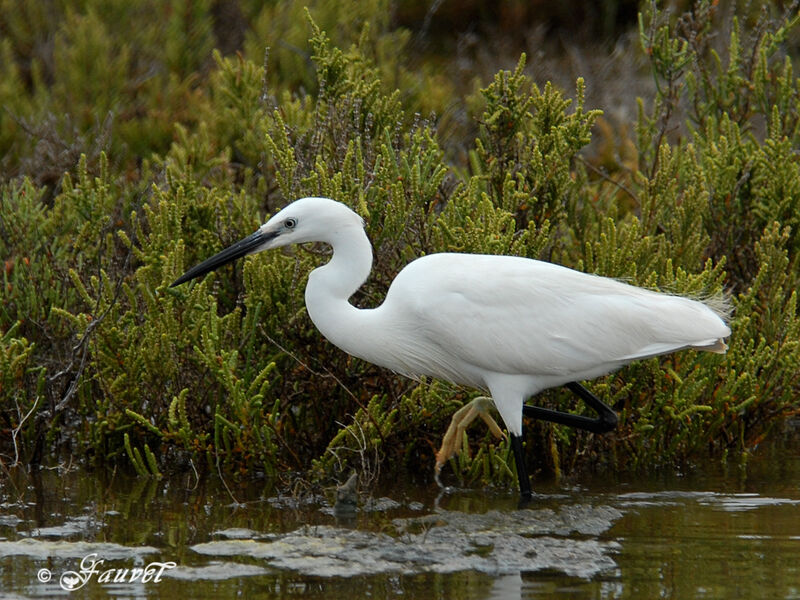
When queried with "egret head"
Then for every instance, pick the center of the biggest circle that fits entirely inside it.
(305, 220)
(309, 220)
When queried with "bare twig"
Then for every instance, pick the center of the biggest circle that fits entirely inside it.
(83, 344)
(604, 175)
(18, 428)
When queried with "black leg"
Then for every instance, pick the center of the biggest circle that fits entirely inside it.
(606, 421)
(606, 417)
(522, 472)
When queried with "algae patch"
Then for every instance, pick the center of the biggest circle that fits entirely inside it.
(443, 542)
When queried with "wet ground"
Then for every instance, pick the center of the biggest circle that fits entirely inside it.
(725, 533)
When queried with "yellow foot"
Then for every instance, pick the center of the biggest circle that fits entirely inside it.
(451, 442)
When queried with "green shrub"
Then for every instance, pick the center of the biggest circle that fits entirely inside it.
(100, 356)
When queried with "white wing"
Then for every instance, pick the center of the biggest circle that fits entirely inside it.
(518, 316)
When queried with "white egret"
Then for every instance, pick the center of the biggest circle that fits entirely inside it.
(509, 325)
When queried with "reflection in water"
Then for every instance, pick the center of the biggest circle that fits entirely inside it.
(702, 537)
(506, 587)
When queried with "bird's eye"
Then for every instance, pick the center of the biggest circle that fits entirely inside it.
(290, 223)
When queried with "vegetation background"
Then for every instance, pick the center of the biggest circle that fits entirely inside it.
(655, 143)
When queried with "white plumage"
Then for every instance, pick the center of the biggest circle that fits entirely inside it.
(510, 325)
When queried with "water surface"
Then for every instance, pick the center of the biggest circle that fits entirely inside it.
(724, 533)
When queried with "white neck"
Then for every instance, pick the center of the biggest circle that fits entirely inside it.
(331, 285)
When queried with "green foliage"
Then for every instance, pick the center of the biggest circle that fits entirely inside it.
(168, 151)
(742, 113)
(527, 146)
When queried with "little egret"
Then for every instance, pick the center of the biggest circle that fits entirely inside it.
(512, 326)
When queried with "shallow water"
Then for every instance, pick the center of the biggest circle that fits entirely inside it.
(727, 534)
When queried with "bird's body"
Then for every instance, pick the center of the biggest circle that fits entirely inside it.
(510, 325)
(496, 322)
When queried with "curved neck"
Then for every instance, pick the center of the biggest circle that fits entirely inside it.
(331, 285)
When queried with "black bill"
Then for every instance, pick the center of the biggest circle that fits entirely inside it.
(241, 248)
